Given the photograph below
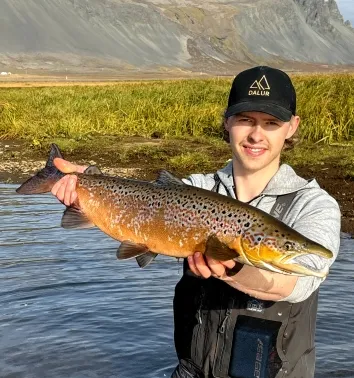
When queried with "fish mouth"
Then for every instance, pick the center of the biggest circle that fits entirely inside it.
(301, 265)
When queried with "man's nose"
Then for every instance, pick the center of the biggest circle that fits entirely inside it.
(256, 134)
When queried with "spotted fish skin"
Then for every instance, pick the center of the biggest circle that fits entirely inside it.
(175, 220)
(171, 218)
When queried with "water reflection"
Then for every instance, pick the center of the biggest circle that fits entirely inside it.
(68, 308)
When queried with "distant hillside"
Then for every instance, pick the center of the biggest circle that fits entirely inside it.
(195, 35)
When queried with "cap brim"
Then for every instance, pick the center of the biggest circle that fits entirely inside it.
(259, 106)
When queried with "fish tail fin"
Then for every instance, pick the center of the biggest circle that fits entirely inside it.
(44, 180)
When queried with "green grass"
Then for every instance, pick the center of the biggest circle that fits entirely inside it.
(107, 121)
(170, 109)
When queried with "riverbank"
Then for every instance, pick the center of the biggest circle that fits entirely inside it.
(139, 157)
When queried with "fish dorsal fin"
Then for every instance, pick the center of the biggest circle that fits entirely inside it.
(92, 170)
(145, 259)
(74, 218)
(219, 250)
(167, 178)
(129, 249)
(54, 153)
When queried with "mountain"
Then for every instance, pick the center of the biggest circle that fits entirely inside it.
(189, 34)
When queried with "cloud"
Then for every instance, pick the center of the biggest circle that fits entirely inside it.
(346, 7)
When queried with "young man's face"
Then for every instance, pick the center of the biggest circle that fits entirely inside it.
(256, 139)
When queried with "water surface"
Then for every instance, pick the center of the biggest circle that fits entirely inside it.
(68, 308)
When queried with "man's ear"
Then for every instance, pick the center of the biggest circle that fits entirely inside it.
(227, 123)
(294, 124)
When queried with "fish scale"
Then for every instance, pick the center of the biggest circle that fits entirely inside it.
(172, 218)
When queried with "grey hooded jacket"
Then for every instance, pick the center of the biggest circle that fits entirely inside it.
(313, 213)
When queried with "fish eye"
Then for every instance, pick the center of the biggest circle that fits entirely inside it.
(288, 246)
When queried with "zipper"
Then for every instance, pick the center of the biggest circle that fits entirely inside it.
(223, 324)
(199, 320)
(221, 330)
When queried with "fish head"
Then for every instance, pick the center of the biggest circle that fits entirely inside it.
(284, 250)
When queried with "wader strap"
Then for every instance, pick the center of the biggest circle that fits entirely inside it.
(282, 202)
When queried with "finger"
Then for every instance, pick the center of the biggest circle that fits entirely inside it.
(228, 263)
(69, 189)
(67, 167)
(192, 266)
(56, 187)
(201, 266)
(216, 267)
(59, 188)
(73, 197)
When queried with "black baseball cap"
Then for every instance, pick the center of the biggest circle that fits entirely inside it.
(262, 89)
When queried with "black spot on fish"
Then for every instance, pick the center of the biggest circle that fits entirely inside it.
(247, 224)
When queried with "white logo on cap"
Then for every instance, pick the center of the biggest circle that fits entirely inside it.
(260, 87)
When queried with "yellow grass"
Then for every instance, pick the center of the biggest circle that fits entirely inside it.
(179, 108)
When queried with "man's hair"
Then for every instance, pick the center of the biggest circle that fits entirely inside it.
(289, 144)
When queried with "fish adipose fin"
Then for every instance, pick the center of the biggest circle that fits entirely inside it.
(74, 218)
(167, 178)
(219, 250)
(45, 179)
(93, 170)
(128, 249)
(145, 259)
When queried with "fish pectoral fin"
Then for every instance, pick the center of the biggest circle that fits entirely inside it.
(219, 250)
(93, 170)
(167, 178)
(145, 259)
(129, 249)
(74, 218)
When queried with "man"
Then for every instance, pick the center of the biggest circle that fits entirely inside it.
(240, 321)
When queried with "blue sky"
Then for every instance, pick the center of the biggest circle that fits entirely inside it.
(346, 7)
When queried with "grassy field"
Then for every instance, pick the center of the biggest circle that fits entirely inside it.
(186, 113)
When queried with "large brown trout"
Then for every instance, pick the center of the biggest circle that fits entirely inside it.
(172, 218)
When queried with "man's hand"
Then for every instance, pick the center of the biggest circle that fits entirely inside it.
(206, 266)
(64, 189)
(253, 281)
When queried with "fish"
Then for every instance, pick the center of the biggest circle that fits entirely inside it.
(169, 217)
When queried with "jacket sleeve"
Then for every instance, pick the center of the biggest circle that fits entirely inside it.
(319, 220)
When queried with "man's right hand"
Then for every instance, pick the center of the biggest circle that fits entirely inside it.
(64, 189)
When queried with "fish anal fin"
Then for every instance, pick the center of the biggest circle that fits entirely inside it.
(145, 259)
(219, 250)
(167, 178)
(129, 249)
(74, 218)
(92, 170)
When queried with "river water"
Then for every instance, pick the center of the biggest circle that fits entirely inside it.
(68, 308)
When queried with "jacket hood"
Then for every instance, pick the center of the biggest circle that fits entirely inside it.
(283, 182)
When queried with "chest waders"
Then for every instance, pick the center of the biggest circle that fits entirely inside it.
(221, 332)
